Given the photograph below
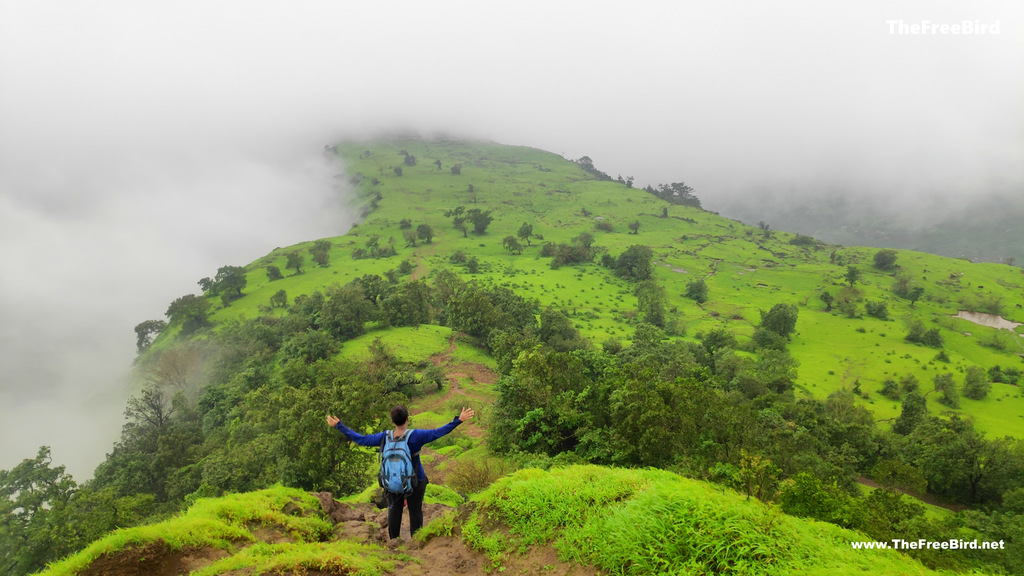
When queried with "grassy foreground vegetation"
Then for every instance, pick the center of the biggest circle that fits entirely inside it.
(622, 521)
(655, 522)
(229, 523)
(590, 323)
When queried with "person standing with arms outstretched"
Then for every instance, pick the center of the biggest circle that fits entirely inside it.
(415, 439)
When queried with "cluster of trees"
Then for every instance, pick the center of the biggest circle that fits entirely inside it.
(675, 193)
(374, 249)
(580, 250)
(462, 219)
(423, 232)
(917, 332)
(712, 411)
(587, 165)
(244, 410)
(228, 283)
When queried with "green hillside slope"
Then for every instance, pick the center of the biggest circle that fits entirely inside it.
(587, 323)
(747, 270)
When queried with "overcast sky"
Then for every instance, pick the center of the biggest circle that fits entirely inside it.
(144, 144)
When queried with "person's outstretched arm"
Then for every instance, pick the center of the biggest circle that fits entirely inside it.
(427, 436)
(369, 440)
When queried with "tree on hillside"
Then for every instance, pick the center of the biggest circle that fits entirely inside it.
(295, 260)
(207, 285)
(557, 331)
(697, 291)
(409, 305)
(584, 239)
(274, 273)
(146, 331)
(229, 282)
(410, 237)
(877, 309)
(914, 295)
(32, 494)
(828, 299)
(456, 169)
(976, 384)
(425, 232)
(397, 170)
(852, 275)
(321, 258)
(677, 193)
(190, 312)
(635, 263)
(321, 250)
(587, 165)
(781, 319)
(279, 299)
(918, 333)
(901, 284)
(885, 259)
(512, 244)
(911, 415)
(480, 219)
(650, 302)
(524, 233)
(346, 311)
(459, 218)
(634, 227)
(890, 389)
(946, 387)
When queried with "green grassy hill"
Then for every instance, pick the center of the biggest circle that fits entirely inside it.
(746, 270)
(235, 402)
(619, 521)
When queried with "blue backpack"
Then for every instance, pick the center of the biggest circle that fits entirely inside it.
(397, 474)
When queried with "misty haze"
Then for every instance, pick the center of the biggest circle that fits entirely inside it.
(143, 147)
(142, 151)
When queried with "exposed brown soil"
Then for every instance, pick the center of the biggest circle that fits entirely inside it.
(446, 555)
(154, 559)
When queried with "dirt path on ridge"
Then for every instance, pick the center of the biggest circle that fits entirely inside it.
(454, 372)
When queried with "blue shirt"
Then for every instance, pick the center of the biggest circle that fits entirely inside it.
(417, 438)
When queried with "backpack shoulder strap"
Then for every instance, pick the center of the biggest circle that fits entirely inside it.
(407, 437)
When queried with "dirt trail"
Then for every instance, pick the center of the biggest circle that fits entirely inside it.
(454, 371)
(363, 523)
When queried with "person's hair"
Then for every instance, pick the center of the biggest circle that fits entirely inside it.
(399, 415)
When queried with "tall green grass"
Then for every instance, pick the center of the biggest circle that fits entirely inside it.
(228, 523)
(655, 522)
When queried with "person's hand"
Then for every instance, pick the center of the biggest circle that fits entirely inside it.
(332, 421)
(467, 414)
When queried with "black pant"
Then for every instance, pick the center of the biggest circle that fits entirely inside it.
(395, 505)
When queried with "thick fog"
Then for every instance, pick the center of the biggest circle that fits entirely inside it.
(144, 145)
